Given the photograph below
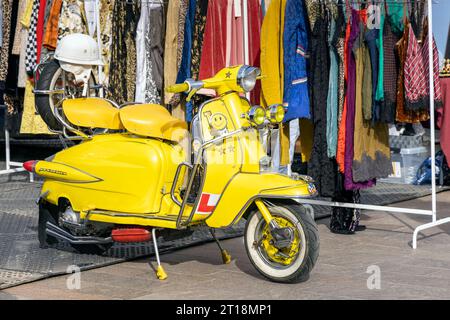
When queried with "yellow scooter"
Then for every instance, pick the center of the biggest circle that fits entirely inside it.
(134, 180)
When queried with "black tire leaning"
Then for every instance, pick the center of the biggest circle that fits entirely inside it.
(42, 101)
(312, 246)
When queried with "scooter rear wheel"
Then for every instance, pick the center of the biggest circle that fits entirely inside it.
(289, 265)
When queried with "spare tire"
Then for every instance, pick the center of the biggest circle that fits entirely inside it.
(48, 78)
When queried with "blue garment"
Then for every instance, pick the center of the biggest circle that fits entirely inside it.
(295, 43)
(185, 66)
(332, 99)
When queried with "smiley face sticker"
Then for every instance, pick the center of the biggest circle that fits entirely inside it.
(218, 121)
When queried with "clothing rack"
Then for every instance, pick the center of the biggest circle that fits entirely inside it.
(433, 212)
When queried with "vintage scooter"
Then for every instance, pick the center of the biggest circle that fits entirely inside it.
(134, 181)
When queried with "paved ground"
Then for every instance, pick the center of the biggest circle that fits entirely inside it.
(340, 273)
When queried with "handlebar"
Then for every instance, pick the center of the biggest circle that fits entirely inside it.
(178, 88)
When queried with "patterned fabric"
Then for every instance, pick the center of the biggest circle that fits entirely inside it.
(32, 122)
(175, 100)
(106, 10)
(31, 51)
(4, 50)
(122, 74)
(51, 31)
(71, 19)
(417, 74)
(390, 76)
(403, 115)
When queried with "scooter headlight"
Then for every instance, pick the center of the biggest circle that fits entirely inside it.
(257, 115)
(275, 113)
(246, 77)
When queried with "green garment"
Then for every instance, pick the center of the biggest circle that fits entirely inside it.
(396, 17)
(380, 84)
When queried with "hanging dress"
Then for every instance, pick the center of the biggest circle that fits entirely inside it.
(371, 152)
(403, 115)
(320, 166)
(122, 75)
(351, 106)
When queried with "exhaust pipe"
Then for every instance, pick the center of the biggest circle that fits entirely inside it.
(57, 232)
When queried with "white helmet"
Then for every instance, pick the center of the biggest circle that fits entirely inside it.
(78, 48)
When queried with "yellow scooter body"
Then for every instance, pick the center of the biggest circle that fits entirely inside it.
(114, 172)
(131, 176)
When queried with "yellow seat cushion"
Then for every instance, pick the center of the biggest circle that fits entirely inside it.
(152, 120)
(92, 113)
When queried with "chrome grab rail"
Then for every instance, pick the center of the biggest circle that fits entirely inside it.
(180, 222)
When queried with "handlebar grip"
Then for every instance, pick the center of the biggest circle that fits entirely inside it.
(177, 88)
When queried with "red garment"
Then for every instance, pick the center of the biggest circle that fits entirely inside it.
(224, 29)
(417, 84)
(40, 29)
(254, 27)
(444, 118)
(214, 53)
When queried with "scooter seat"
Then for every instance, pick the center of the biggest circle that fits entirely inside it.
(92, 113)
(152, 120)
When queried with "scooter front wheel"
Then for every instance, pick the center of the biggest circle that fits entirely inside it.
(289, 264)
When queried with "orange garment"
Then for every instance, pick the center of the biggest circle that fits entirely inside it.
(340, 155)
(51, 31)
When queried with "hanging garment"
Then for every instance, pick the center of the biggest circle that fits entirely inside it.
(403, 115)
(177, 108)
(344, 220)
(254, 13)
(387, 114)
(25, 22)
(235, 47)
(371, 152)
(375, 107)
(32, 122)
(214, 51)
(149, 51)
(272, 67)
(4, 50)
(122, 74)
(396, 13)
(272, 54)
(18, 28)
(320, 166)
(31, 51)
(340, 153)
(171, 46)
(295, 45)
(417, 85)
(196, 51)
(51, 31)
(339, 44)
(380, 83)
(106, 11)
(40, 29)
(349, 183)
(1, 24)
(71, 19)
(332, 99)
(443, 119)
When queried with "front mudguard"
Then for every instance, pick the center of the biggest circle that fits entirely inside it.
(244, 188)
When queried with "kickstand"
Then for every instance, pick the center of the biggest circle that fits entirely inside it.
(226, 257)
(160, 273)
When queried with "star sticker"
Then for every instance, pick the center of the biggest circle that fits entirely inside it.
(228, 74)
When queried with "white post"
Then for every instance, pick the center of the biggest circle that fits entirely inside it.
(7, 150)
(432, 118)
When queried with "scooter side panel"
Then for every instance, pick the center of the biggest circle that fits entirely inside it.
(245, 187)
(133, 174)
